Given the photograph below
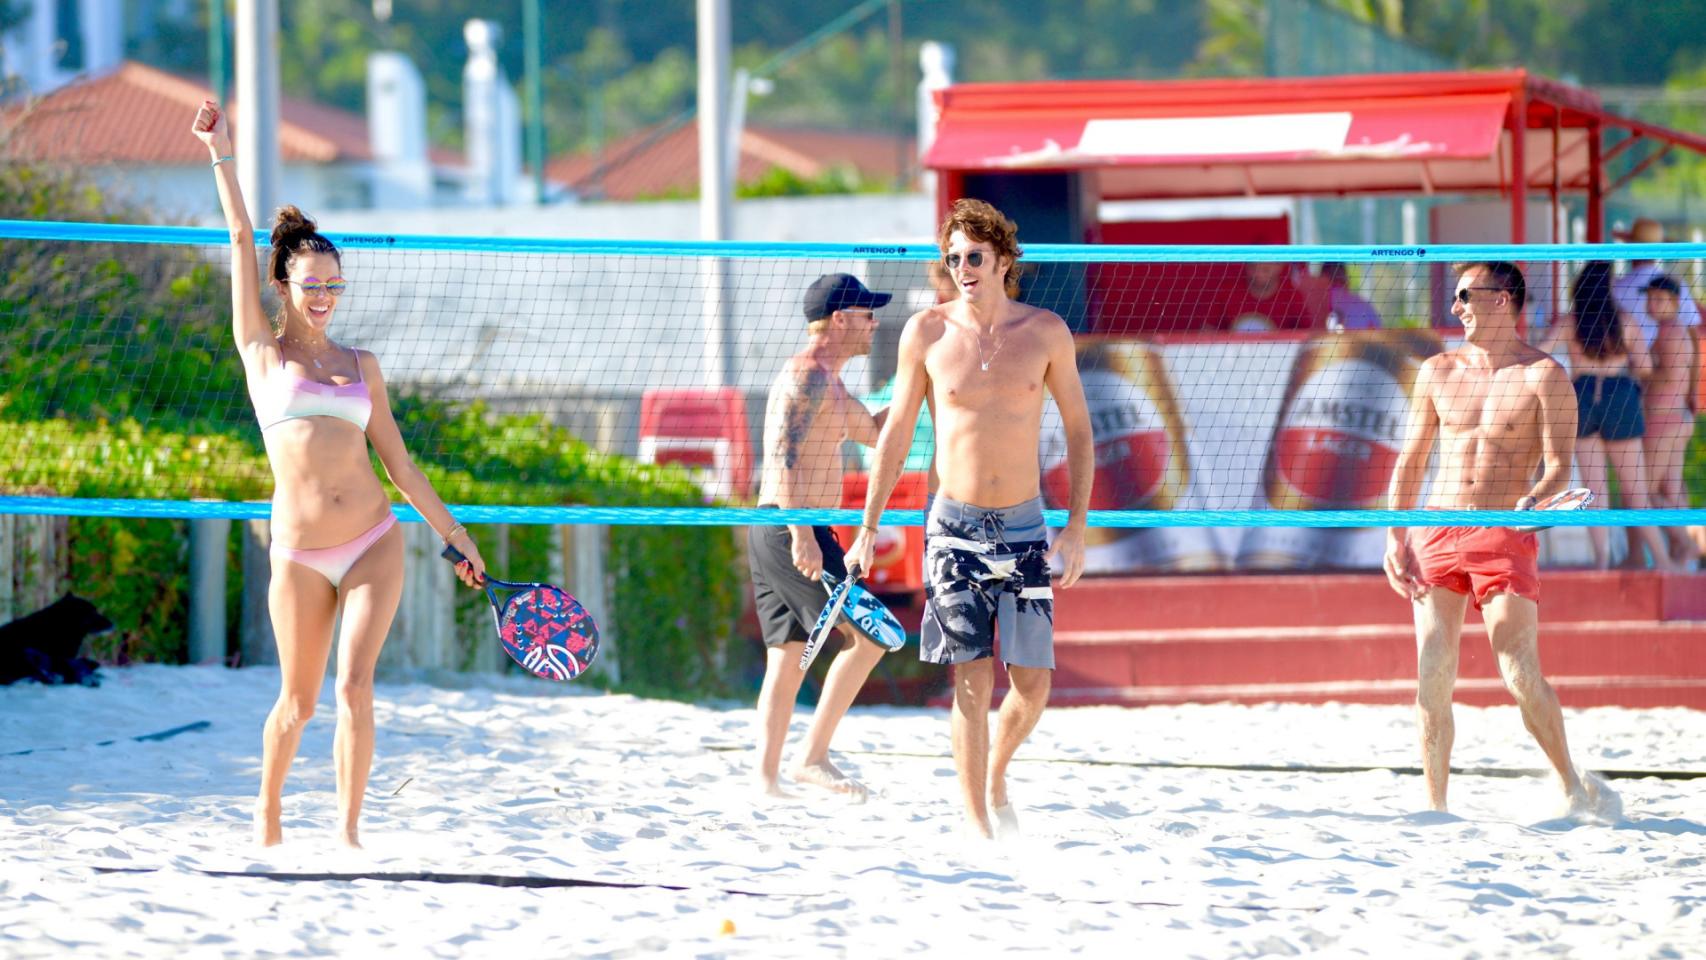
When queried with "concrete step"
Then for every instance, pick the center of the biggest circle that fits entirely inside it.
(1347, 599)
(1368, 652)
(1629, 638)
(1573, 691)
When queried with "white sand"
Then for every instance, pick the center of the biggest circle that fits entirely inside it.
(515, 778)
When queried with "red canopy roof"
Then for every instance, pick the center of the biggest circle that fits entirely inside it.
(1411, 133)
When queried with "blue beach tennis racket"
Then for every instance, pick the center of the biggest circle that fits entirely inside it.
(1575, 498)
(869, 614)
(541, 627)
(854, 603)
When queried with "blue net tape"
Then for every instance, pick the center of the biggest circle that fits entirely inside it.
(742, 516)
(1037, 252)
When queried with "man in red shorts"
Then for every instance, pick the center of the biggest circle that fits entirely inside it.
(1505, 417)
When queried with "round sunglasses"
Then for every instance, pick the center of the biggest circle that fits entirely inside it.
(973, 259)
(313, 285)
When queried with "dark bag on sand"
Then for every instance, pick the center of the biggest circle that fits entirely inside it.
(43, 645)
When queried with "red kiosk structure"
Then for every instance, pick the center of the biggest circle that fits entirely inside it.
(1505, 133)
(1049, 153)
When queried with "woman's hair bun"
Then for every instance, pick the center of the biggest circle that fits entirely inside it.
(290, 224)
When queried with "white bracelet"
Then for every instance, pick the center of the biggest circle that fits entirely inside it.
(221, 160)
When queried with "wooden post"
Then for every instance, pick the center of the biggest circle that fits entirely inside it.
(422, 633)
(8, 545)
(40, 562)
(583, 550)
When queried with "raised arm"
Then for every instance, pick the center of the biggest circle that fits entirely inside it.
(1068, 391)
(1557, 430)
(408, 478)
(249, 325)
(1640, 358)
(895, 437)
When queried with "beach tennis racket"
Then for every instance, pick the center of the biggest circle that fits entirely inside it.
(542, 628)
(1575, 498)
(826, 620)
(870, 615)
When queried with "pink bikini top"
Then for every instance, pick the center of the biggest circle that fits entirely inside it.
(286, 396)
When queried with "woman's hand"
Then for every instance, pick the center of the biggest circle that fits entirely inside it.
(472, 569)
(209, 128)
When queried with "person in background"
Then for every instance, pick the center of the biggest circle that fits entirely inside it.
(1671, 410)
(1606, 362)
(1630, 289)
(1347, 309)
(1266, 300)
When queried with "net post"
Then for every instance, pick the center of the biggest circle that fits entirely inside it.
(209, 539)
(256, 645)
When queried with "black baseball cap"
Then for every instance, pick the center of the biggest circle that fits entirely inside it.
(840, 291)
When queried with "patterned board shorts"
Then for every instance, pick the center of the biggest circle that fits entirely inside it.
(985, 567)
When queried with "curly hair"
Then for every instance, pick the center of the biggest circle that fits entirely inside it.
(982, 223)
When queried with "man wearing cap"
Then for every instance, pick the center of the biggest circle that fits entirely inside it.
(1630, 289)
(808, 416)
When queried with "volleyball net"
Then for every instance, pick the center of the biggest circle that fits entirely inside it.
(563, 381)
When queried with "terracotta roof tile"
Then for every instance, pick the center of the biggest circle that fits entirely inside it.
(140, 115)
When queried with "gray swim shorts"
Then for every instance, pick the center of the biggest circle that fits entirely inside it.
(985, 567)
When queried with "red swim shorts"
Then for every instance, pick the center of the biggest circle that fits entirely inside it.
(1479, 561)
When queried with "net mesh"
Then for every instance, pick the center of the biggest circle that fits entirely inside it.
(563, 376)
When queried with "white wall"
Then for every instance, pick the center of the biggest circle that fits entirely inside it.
(188, 192)
(32, 53)
(397, 129)
(830, 219)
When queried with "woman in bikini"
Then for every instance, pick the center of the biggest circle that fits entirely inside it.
(335, 543)
(1605, 365)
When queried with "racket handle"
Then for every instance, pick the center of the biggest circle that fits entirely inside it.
(853, 572)
(455, 556)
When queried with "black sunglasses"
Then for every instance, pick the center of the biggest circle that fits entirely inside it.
(974, 260)
(1463, 295)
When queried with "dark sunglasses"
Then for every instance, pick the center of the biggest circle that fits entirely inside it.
(974, 260)
(1463, 295)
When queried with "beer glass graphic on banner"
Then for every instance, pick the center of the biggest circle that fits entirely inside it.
(1142, 462)
(1334, 445)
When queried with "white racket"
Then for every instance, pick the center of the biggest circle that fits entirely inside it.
(1575, 498)
(827, 619)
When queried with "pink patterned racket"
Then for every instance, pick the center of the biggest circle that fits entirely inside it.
(542, 628)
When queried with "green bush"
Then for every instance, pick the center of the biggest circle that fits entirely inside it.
(675, 597)
(135, 572)
(1694, 466)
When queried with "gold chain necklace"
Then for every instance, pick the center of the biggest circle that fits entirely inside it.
(315, 359)
(981, 361)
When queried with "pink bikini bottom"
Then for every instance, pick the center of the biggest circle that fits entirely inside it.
(334, 562)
